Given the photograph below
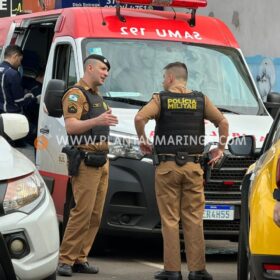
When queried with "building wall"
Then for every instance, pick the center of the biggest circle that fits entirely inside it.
(255, 24)
(38, 5)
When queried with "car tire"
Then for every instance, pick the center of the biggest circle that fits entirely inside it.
(243, 240)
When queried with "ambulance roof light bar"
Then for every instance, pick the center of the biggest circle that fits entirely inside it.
(189, 4)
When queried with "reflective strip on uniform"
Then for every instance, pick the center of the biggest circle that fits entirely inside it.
(4, 94)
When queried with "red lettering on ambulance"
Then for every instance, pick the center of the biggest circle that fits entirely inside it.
(235, 134)
(213, 133)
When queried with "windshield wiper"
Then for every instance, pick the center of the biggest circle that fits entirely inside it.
(224, 110)
(126, 100)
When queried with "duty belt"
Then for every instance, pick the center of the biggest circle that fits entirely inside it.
(195, 159)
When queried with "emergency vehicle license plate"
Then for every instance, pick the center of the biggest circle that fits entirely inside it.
(218, 212)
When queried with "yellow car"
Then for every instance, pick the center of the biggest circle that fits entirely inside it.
(259, 236)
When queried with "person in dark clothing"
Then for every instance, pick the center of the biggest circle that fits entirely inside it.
(31, 105)
(11, 91)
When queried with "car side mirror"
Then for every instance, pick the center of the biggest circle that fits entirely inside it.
(273, 103)
(242, 146)
(53, 97)
(13, 126)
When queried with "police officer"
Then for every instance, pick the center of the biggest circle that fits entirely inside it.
(11, 92)
(87, 121)
(178, 143)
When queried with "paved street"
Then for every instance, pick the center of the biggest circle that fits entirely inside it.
(141, 261)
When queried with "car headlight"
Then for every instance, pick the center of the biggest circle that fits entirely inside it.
(24, 194)
(122, 145)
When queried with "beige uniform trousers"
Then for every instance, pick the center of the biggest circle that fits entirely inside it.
(89, 190)
(180, 196)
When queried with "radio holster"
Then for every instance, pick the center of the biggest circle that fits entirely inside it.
(181, 158)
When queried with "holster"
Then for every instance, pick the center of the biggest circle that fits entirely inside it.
(74, 159)
(206, 167)
(95, 159)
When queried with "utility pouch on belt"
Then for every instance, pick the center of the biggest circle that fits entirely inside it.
(95, 159)
(74, 159)
(181, 158)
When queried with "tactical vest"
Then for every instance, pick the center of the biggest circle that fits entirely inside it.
(97, 106)
(180, 127)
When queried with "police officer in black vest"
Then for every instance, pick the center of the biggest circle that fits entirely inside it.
(178, 144)
(87, 120)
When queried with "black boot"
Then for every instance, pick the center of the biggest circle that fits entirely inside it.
(85, 268)
(200, 275)
(168, 275)
(64, 269)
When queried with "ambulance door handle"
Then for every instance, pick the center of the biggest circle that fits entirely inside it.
(44, 130)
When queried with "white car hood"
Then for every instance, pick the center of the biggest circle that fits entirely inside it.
(238, 125)
(13, 163)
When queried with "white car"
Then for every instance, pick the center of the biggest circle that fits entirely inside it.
(28, 219)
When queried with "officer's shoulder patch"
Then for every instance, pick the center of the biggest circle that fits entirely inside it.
(72, 108)
(73, 97)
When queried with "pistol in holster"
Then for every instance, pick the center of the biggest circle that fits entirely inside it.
(205, 166)
(74, 159)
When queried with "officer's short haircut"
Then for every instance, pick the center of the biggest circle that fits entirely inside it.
(97, 57)
(178, 65)
(11, 50)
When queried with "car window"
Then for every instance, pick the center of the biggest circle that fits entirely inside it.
(65, 68)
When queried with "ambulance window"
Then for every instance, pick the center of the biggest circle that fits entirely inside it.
(64, 65)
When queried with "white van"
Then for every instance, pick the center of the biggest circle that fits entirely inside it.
(28, 219)
(138, 44)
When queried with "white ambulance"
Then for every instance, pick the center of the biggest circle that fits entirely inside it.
(138, 44)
